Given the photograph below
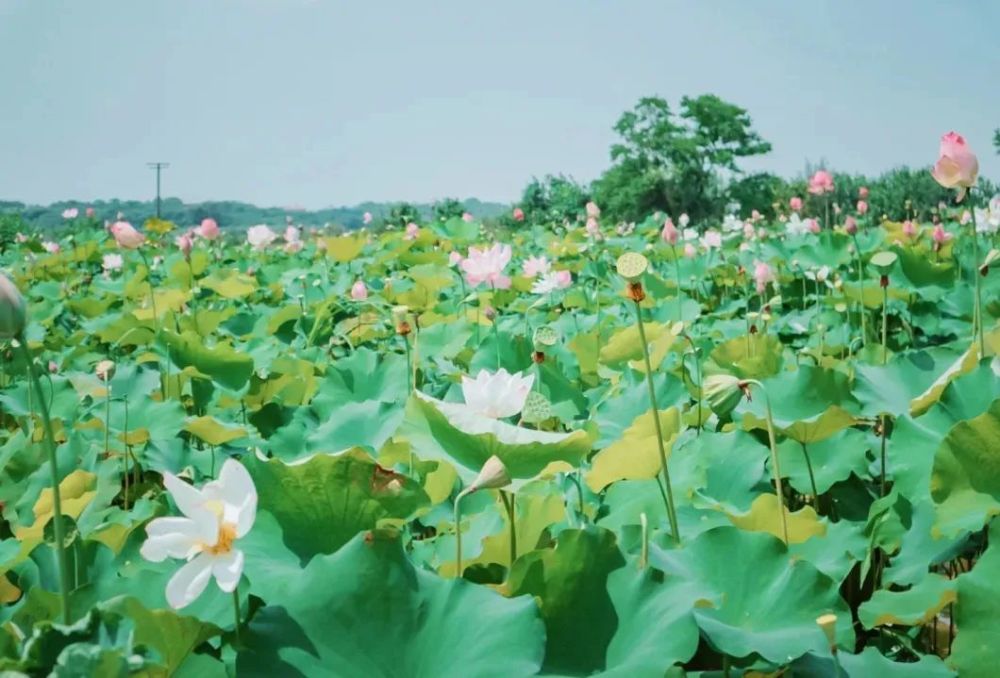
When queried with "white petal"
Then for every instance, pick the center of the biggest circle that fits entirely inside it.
(239, 494)
(171, 538)
(188, 499)
(228, 569)
(189, 581)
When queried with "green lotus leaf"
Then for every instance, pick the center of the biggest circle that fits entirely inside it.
(221, 363)
(345, 610)
(914, 607)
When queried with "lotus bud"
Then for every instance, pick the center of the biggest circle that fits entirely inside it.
(105, 370)
(493, 476)
(13, 313)
(490, 313)
(723, 392)
(828, 624)
(399, 319)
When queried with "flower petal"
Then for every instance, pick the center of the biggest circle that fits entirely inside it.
(239, 494)
(172, 538)
(188, 498)
(189, 581)
(228, 569)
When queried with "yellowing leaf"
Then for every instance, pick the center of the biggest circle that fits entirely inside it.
(764, 516)
(230, 286)
(625, 344)
(75, 490)
(636, 456)
(344, 248)
(166, 300)
(212, 431)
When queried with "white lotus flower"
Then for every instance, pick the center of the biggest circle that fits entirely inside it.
(711, 239)
(552, 281)
(214, 518)
(796, 226)
(497, 395)
(260, 236)
(732, 223)
(112, 262)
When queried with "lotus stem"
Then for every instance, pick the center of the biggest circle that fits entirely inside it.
(978, 312)
(671, 511)
(885, 319)
(775, 467)
(50, 446)
(236, 615)
(861, 289)
(812, 477)
(885, 432)
(508, 503)
(644, 554)
(458, 532)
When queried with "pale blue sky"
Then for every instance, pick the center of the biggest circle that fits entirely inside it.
(318, 103)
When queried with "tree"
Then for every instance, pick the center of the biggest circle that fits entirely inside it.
(996, 139)
(554, 198)
(448, 208)
(694, 152)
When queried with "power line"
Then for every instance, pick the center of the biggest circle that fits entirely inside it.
(158, 166)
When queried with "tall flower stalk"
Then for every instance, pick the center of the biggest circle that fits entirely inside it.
(775, 466)
(631, 266)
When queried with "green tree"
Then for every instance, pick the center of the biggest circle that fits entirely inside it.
(448, 208)
(553, 198)
(684, 160)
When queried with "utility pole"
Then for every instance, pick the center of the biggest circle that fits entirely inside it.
(158, 166)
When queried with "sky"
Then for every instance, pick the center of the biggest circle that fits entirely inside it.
(316, 103)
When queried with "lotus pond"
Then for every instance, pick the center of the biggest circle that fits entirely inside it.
(440, 451)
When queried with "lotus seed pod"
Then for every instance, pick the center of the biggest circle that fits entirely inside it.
(632, 265)
(12, 309)
(828, 623)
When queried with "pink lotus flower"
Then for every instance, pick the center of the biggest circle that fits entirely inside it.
(260, 237)
(762, 275)
(358, 291)
(467, 217)
(795, 204)
(909, 229)
(957, 166)
(593, 211)
(486, 266)
(851, 225)
(112, 262)
(53, 367)
(366, 218)
(748, 231)
(70, 213)
(51, 247)
(535, 266)
(940, 236)
(209, 230)
(862, 207)
(552, 281)
(965, 218)
(126, 236)
(91, 212)
(821, 182)
(813, 226)
(518, 214)
(593, 228)
(670, 234)
(755, 216)
(20, 237)
(711, 240)
(185, 243)
(412, 231)
(863, 192)
(690, 251)
(454, 258)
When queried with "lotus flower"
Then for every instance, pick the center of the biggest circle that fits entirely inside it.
(711, 240)
(112, 262)
(593, 211)
(940, 236)
(795, 204)
(669, 234)
(535, 266)
(593, 228)
(909, 229)
(91, 212)
(209, 230)
(293, 239)
(690, 251)
(795, 226)
(126, 236)
(412, 231)
(214, 518)
(51, 247)
(367, 218)
(862, 207)
(552, 281)
(185, 243)
(684, 220)
(260, 237)
(358, 291)
(863, 192)
(454, 258)
(821, 182)
(851, 225)
(762, 275)
(467, 217)
(957, 166)
(814, 226)
(486, 266)
(497, 395)
(518, 214)
(70, 213)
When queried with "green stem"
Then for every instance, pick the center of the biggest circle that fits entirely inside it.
(975, 273)
(671, 511)
(236, 616)
(677, 274)
(409, 366)
(812, 478)
(156, 316)
(884, 434)
(57, 515)
(508, 503)
(885, 324)
(775, 467)
(458, 535)
(644, 554)
(861, 290)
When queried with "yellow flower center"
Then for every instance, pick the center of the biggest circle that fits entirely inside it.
(224, 543)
